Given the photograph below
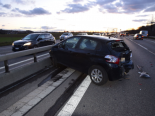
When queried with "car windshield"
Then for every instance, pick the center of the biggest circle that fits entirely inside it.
(65, 34)
(31, 37)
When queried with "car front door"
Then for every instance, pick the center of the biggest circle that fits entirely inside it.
(66, 51)
(86, 53)
(41, 40)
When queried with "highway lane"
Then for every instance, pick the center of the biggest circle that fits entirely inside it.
(131, 96)
(146, 43)
(21, 61)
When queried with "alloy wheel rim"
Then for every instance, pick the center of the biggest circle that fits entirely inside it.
(96, 75)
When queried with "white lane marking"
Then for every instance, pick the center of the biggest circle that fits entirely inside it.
(142, 47)
(149, 40)
(29, 101)
(71, 105)
(24, 61)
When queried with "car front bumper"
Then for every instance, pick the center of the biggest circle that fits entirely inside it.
(20, 47)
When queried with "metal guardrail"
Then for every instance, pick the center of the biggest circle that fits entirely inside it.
(9, 56)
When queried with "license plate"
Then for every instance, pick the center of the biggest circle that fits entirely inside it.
(139, 37)
(17, 48)
(122, 59)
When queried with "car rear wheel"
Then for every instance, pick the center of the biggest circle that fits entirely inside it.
(98, 75)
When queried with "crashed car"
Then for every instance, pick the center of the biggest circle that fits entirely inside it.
(102, 58)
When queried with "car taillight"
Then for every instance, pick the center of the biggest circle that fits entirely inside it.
(136, 36)
(142, 36)
(112, 59)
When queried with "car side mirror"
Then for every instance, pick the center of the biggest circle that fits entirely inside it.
(40, 39)
(60, 45)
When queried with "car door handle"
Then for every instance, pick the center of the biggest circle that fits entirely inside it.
(88, 53)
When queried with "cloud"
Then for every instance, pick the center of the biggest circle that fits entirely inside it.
(2, 14)
(47, 27)
(140, 20)
(28, 27)
(142, 15)
(75, 8)
(77, 1)
(35, 11)
(124, 6)
(8, 6)
(103, 2)
(24, 2)
(151, 9)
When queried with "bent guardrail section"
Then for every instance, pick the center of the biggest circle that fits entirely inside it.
(10, 77)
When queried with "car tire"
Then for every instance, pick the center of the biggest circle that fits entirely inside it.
(98, 75)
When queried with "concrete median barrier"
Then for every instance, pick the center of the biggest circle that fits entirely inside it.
(22, 72)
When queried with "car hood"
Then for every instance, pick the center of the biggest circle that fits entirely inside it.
(22, 41)
(63, 35)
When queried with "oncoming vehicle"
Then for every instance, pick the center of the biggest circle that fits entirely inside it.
(122, 34)
(144, 33)
(82, 34)
(126, 34)
(65, 36)
(138, 36)
(97, 34)
(102, 58)
(33, 40)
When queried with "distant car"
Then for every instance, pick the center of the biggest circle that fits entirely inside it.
(82, 34)
(122, 34)
(97, 34)
(65, 36)
(102, 58)
(126, 34)
(33, 40)
(138, 36)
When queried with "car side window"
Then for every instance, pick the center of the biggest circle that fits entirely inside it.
(42, 36)
(88, 44)
(71, 42)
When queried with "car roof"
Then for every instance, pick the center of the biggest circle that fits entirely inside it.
(102, 38)
(40, 33)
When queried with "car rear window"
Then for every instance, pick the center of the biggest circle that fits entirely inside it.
(118, 46)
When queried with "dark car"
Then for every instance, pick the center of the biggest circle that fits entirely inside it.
(138, 36)
(33, 40)
(100, 57)
(126, 34)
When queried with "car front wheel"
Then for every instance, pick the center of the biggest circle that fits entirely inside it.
(98, 75)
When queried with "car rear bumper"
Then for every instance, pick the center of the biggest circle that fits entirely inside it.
(116, 72)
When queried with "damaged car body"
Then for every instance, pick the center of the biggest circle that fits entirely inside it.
(100, 57)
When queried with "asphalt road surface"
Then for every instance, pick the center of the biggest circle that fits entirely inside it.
(132, 96)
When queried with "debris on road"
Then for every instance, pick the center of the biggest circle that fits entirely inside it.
(142, 73)
(139, 84)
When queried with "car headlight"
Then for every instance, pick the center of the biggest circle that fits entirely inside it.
(27, 44)
(12, 44)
